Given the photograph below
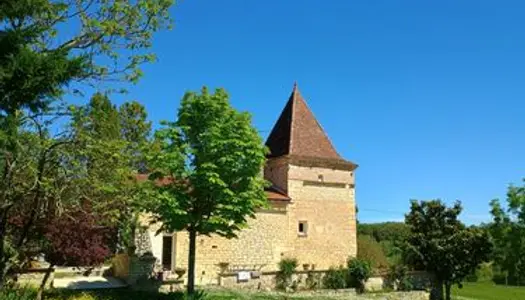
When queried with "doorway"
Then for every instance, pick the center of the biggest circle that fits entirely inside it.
(167, 250)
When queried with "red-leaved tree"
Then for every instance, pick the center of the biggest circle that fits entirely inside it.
(75, 239)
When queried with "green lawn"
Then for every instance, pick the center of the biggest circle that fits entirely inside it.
(489, 291)
(126, 294)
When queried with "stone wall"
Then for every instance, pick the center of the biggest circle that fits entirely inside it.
(259, 247)
(265, 283)
(265, 280)
(324, 199)
(420, 281)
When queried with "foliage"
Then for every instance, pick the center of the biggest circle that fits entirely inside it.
(399, 279)
(370, 250)
(359, 271)
(135, 130)
(507, 231)
(287, 268)
(313, 280)
(387, 231)
(34, 182)
(76, 239)
(47, 46)
(440, 244)
(484, 273)
(206, 177)
(336, 278)
(104, 40)
(390, 235)
(53, 175)
(9, 293)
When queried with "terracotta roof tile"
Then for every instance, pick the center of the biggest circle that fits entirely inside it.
(298, 133)
(272, 193)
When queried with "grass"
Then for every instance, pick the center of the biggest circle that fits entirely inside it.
(126, 294)
(489, 291)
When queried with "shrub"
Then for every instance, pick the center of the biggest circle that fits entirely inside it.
(313, 280)
(336, 278)
(398, 278)
(485, 273)
(17, 294)
(359, 271)
(369, 249)
(287, 268)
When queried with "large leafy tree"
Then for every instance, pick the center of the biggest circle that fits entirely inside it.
(34, 182)
(440, 244)
(508, 232)
(47, 46)
(209, 167)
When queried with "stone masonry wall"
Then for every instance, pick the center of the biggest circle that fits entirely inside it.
(258, 247)
(329, 212)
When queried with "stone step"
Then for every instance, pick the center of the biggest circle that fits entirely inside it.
(66, 272)
(87, 283)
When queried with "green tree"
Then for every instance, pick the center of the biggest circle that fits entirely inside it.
(211, 159)
(440, 244)
(136, 132)
(508, 232)
(47, 46)
(106, 177)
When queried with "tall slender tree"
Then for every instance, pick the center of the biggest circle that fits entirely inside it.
(136, 132)
(209, 165)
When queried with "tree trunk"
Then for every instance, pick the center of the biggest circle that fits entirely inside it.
(437, 290)
(447, 290)
(40, 293)
(191, 264)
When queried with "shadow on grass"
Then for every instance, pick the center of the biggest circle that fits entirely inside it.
(111, 294)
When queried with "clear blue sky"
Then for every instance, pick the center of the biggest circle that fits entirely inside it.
(428, 98)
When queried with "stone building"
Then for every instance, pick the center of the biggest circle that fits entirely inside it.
(311, 215)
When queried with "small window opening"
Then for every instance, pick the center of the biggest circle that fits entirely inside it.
(320, 178)
(303, 228)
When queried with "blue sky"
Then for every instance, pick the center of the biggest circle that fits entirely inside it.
(428, 97)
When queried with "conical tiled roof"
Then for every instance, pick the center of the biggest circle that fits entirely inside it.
(298, 134)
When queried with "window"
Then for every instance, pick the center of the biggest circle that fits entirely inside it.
(320, 178)
(302, 229)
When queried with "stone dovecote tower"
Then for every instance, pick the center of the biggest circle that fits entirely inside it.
(304, 164)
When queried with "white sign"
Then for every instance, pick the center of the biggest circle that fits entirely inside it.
(243, 276)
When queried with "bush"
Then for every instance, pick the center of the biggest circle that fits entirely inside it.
(485, 273)
(17, 294)
(398, 278)
(370, 250)
(359, 271)
(336, 278)
(287, 268)
(313, 280)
